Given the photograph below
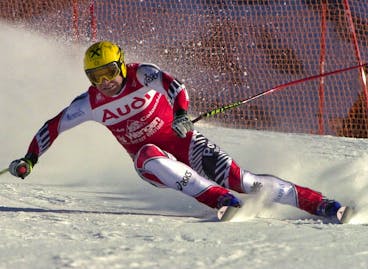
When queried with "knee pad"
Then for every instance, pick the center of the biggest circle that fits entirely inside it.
(146, 153)
(149, 152)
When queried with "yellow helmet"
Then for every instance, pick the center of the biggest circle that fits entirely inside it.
(103, 53)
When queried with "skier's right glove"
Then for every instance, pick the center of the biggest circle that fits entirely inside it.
(21, 167)
(181, 123)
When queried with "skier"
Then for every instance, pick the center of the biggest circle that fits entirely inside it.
(145, 108)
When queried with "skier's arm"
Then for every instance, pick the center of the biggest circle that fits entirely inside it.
(177, 95)
(77, 112)
(152, 76)
(179, 98)
(177, 92)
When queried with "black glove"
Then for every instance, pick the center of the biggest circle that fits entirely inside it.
(21, 167)
(181, 123)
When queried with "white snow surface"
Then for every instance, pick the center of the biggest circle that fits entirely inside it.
(85, 207)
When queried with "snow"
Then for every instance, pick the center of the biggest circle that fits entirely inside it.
(84, 206)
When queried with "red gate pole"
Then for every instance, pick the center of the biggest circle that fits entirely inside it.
(322, 60)
(357, 51)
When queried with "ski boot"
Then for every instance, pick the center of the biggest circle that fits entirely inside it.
(328, 208)
(228, 205)
(228, 200)
(333, 209)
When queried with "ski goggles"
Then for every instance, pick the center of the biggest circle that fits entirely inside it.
(108, 71)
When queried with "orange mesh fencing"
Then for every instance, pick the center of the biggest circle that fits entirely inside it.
(226, 51)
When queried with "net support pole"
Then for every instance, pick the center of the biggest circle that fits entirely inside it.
(93, 20)
(75, 19)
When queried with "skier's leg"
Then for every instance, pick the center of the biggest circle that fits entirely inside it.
(213, 163)
(281, 191)
(162, 170)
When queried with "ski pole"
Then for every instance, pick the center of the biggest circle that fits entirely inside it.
(277, 88)
(4, 171)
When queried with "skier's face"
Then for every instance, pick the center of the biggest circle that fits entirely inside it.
(110, 87)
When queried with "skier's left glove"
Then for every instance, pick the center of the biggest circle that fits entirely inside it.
(181, 123)
(21, 167)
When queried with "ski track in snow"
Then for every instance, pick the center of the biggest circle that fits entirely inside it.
(84, 207)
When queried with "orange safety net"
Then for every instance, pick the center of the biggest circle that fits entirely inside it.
(226, 51)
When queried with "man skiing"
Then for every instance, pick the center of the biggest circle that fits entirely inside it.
(145, 108)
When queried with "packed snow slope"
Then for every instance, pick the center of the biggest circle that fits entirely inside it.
(84, 206)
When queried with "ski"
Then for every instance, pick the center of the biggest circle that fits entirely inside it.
(344, 214)
(226, 213)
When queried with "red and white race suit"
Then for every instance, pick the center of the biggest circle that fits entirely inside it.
(140, 117)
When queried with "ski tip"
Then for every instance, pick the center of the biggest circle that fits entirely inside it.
(221, 212)
(344, 214)
(226, 213)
